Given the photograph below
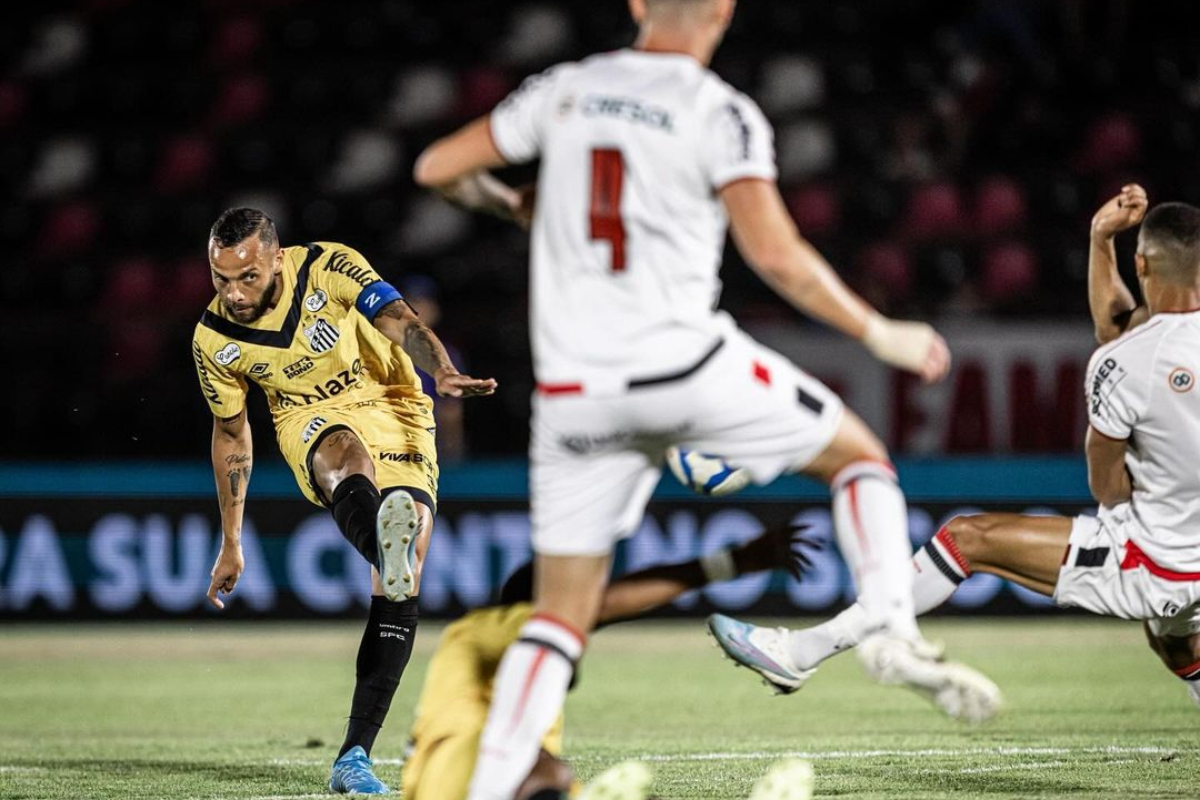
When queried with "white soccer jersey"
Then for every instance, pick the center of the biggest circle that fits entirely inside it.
(1142, 387)
(629, 229)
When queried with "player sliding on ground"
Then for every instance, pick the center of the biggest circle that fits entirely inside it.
(453, 706)
(1139, 558)
(646, 158)
(332, 346)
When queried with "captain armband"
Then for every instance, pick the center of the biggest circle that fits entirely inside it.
(374, 297)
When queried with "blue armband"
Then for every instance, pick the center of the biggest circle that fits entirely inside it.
(374, 297)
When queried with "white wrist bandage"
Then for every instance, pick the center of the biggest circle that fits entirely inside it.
(718, 566)
(901, 344)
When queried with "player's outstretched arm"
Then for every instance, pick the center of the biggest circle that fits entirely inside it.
(767, 238)
(456, 167)
(398, 322)
(647, 589)
(232, 457)
(1108, 478)
(1113, 308)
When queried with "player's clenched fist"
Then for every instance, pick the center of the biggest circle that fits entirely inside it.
(1121, 212)
(225, 574)
(912, 346)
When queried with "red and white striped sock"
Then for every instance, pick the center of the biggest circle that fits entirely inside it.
(530, 687)
(938, 569)
(871, 520)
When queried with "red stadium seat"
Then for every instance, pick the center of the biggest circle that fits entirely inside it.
(68, 229)
(186, 162)
(887, 267)
(1010, 272)
(12, 103)
(816, 209)
(1000, 206)
(242, 99)
(192, 288)
(481, 90)
(133, 287)
(1112, 142)
(935, 211)
(236, 41)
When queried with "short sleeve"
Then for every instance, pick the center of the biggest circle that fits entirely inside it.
(741, 144)
(1116, 398)
(518, 123)
(351, 281)
(223, 389)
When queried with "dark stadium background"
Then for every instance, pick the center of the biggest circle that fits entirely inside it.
(946, 157)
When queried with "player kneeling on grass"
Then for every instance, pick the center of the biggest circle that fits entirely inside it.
(1139, 558)
(453, 706)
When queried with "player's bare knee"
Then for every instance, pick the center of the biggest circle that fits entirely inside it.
(970, 534)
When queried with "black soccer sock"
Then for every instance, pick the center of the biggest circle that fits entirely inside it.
(355, 506)
(382, 656)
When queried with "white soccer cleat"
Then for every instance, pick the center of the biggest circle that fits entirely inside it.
(763, 650)
(958, 690)
(789, 779)
(629, 780)
(397, 525)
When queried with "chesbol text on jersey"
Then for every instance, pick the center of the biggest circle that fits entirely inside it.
(629, 228)
(1141, 387)
(317, 345)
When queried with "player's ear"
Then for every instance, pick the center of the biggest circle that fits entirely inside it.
(1141, 264)
(277, 262)
(637, 10)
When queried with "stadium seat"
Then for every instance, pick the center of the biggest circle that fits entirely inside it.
(1111, 142)
(935, 211)
(804, 148)
(1010, 273)
(481, 89)
(186, 163)
(815, 208)
(887, 267)
(422, 95)
(64, 165)
(242, 99)
(791, 83)
(1000, 206)
(236, 41)
(133, 287)
(68, 229)
(13, 101)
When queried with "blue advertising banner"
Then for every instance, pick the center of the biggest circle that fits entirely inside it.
(126, 541)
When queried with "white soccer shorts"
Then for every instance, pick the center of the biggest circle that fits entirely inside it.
(595, 460)
(1106, 573)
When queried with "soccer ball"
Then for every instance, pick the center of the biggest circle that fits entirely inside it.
(706, 474)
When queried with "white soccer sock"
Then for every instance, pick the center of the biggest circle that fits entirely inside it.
(938, 569)
(871, 520)
(530, 687)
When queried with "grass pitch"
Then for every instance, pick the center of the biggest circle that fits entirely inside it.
(251, 712)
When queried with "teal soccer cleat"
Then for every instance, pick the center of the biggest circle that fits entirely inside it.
(352, 774)
(763, 650)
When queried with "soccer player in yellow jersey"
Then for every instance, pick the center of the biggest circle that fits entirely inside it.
(453, 706)
(332, 345)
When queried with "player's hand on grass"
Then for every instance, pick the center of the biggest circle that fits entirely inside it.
(225, 574)
(454, 384)
(782, 547)
(1121, 212)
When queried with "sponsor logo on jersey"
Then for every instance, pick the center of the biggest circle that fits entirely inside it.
(298, 368)
(1181, 379)
(316, 301)
(403, 458)
(310, 430)
(228, 354)
(591, 442)
(322, 336)
(1108, 375)
(741, 129)
(565, 106)
(342, 264)
(629, 109)
(346, 380)
(206, 386)
(261, 369)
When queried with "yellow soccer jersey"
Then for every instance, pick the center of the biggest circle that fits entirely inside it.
(454, 701)
(318, 346)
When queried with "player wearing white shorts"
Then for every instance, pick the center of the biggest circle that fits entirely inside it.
(647, 158)
(1139, 558)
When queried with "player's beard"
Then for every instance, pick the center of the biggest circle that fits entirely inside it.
(258, 309)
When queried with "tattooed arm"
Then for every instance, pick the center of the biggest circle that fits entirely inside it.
(232, 457)
(398, 322)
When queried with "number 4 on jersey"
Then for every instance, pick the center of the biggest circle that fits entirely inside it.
(604, 215)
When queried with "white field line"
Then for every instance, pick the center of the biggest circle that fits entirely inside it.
(12, 768)
(1010, 767)
(817, 755)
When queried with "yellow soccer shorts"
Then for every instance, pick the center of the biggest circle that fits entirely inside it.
(397, 433)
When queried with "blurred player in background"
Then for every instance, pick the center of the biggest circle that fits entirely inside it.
(646, 158)
(332, 345)
(453, 706)
(1139, 558)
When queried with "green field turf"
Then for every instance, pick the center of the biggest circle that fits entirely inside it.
(224, 710)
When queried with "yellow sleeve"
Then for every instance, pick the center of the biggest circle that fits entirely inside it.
(351, 281)
(224, 390)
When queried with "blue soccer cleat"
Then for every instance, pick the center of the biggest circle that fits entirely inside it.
(352, 774)
(763, 650)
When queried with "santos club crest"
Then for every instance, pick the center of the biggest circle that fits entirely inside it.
(321, 336)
